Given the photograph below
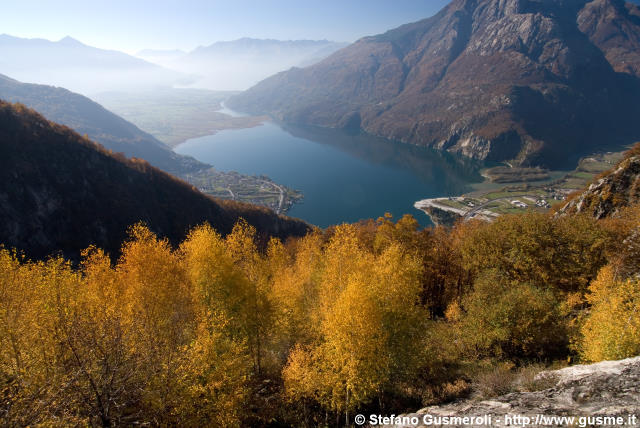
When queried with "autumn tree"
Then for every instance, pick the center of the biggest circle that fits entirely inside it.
(295, 276)
(510, 319)
(563, 253)
(372, 325)
(611, 330)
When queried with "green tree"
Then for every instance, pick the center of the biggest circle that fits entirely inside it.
(509, 319)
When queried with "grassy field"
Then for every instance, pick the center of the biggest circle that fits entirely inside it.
(505, 174)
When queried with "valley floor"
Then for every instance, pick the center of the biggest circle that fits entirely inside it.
(174, 116)
(492, 199)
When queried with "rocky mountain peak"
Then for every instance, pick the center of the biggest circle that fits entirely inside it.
(69, 41)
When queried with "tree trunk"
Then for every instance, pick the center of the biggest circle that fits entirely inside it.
(346, 409)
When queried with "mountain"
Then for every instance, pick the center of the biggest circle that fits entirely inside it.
(87, 117)
(81, 68)
(612, 191)
(239, 64)
(62, 192)
(531, 81)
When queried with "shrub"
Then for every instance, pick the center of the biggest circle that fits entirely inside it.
(497, 381)
(533, 378)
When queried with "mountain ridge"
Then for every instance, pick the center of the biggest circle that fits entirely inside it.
(611, 192)
(86, 116)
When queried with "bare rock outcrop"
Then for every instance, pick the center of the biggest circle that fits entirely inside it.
(615, 190)
(607, 389)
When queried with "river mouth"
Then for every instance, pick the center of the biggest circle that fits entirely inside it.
(345, 177)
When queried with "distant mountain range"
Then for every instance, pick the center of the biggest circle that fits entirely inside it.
(535, 82)
(62, 192)
(69, 63)
(88, 117)
(239, 64)
(233, 65)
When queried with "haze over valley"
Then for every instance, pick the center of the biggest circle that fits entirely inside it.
(240, 64)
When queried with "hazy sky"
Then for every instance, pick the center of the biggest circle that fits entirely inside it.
(131, 25)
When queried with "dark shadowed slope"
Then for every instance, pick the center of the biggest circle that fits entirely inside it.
(532, 80)
(62, 192)
(88, 117)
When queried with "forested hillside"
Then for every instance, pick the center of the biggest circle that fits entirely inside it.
(63, 192)
(375, 317)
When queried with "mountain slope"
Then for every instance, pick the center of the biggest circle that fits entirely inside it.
(614, 190)
(530, 80)
(76, 66)
(62, 192)
(88, 117)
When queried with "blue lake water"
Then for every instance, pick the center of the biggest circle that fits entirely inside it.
(345, 177)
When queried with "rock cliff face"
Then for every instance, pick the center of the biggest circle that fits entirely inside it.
(530, 80)
(617, 189)
(607, 389)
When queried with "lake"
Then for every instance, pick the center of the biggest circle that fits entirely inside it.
(344, 176)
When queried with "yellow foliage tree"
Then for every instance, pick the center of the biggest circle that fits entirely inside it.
(258, 309)
(563, 253)
(159, 301)
(294, 292)
(372, 326)
(611, 330)
(213, 378)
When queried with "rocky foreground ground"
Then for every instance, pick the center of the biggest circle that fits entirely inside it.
(601, 394)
